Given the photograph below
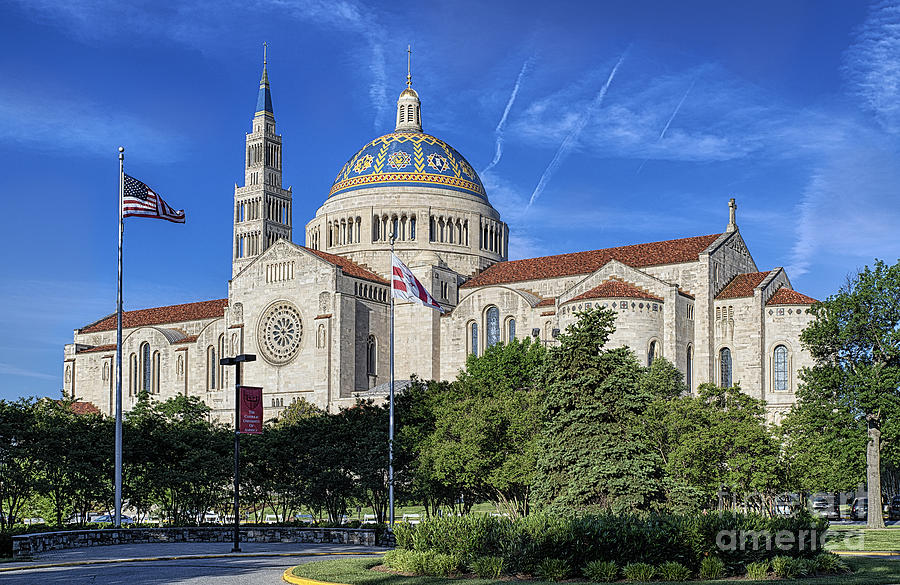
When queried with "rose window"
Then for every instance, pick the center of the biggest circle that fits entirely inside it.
(280, 332)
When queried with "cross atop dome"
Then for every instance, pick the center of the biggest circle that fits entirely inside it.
(409, 108)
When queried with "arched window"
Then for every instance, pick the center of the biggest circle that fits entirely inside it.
(145, 367)
(412, 228)
(781, 368)
(133, 375)
(652, 352)
(210, 368)
(689, 370)
(156, 372)
(510, 329)
(473, 338)
(493, 326)
(371, 355)
(220, 369)
(725, 365)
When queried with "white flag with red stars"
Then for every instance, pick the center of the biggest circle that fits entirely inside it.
(404, 285)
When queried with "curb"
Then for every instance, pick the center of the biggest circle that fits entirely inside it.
(289, 576)
(184, 558)
(867, 553)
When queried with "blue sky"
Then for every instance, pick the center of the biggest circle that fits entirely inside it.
(594, 124)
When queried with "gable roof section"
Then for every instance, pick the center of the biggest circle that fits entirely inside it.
(161, 315)
(742, 285)
(636, 256)
(614, 288)
(786, 296)
(349, 267)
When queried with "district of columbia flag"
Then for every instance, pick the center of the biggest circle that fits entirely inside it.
(141, 201)
(404, 285)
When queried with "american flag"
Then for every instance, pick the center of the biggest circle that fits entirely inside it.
(404, 285)
(141, 201)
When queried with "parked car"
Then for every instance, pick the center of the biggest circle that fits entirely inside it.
(822, 506)
(110, 519)
(894, 513)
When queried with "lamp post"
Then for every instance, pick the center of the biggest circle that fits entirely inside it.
(236, 361)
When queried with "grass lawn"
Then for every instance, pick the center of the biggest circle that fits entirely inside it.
(859, 538)
(355, 572)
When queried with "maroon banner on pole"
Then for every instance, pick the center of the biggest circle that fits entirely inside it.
(251, 422)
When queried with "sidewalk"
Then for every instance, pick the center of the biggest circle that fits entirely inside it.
(125, 553)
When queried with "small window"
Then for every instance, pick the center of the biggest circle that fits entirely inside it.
(473, 339)
(780, 359)
(510, 330)
(371, 355)
(493, 326)
(726, 368)
(689, 369)
(652, 352)
(146, 374)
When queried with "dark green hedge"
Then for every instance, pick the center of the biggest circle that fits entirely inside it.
(623, 538)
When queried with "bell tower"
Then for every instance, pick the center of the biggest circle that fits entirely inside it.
(262, 208)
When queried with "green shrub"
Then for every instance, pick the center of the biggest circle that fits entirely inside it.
(601, 571)
(399, 559)
(553, 569)
(488, 567)
(804, 567)
(639, 572)
(828, 562)
(711, 568)
(784, 567)
(758, 570)
(673, 571)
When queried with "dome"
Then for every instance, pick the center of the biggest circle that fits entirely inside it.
(408, 159)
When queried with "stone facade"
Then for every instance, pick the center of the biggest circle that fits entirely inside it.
(318, 315)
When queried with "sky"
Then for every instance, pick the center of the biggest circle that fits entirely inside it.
(592, 124)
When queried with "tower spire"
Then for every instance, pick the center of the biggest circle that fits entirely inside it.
(264, 99)
(408, 70)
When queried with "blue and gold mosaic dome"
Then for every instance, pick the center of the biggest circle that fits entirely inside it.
(409, 159)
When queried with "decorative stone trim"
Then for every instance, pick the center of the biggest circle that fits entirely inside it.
(26, 545)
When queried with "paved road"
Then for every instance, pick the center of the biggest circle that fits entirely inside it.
(260, 564)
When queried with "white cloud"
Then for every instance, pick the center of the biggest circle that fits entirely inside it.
(12, 370)
(76, 125)
(206, 24)
(872, 64)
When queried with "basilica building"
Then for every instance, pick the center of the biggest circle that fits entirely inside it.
(317, 315)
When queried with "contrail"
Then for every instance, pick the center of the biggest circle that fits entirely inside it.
(499, 130)
(669, 122)
(569, 142)
(675, 113)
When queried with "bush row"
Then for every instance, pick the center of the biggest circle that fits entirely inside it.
(735, 538)
(435, 564)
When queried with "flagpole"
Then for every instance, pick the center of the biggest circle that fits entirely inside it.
(391, 416)
(118, 462)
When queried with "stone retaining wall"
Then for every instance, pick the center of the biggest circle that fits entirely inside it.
(27, 545)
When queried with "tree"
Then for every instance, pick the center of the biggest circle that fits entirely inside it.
(296, 411)
(594, 453)
(855, 342)
(486, 427)
(18, 458)
(824, 439)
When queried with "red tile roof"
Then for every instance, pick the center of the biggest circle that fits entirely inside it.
(79, 407)
(742, 285)
(786, 296)
(110, 347)
(187, 339)
(638, 256)
(349, 267)
(547, 302)
(614, 288)
(161, 315)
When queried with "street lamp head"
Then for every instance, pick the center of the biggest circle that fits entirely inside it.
(244, 357)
